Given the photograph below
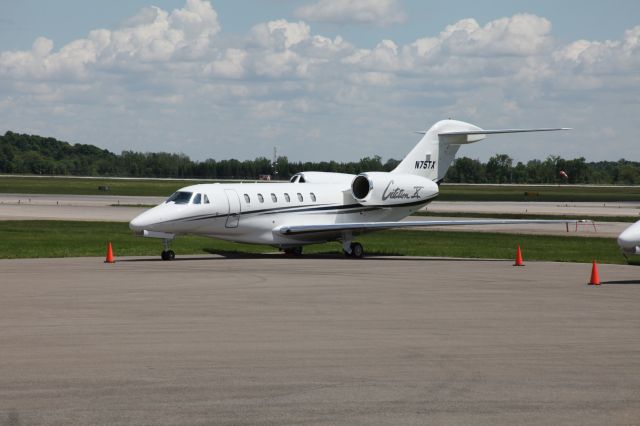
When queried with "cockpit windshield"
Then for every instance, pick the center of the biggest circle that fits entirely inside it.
(180, 197)
(298, 177)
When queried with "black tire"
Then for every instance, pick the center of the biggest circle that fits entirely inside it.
(168, 255)
(296, 251)
(357, 250)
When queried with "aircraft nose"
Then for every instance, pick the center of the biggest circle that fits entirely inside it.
(145, 220)
(625, 241)
(629, 240)
(138, 223)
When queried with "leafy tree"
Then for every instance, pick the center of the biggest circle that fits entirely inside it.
(34, 154)
(499, 168)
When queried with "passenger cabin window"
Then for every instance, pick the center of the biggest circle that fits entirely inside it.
(206, 199)
(313, 197)
(287, 198)
(260, 198)
(300, 197)
(247, 199)
(180, 197)
(274, 198)
(197, 199)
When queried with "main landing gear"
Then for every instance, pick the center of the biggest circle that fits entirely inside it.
(167, 254)
(293, 251)
(353, 250)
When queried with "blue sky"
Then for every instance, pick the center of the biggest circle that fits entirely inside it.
(319, 79)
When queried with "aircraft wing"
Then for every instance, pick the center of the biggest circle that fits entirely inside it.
(372, 226)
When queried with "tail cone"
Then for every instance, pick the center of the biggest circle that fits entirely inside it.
(110, 258)
(595, 277)
(519, 261)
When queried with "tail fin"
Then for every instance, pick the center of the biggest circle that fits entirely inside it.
(435, 152)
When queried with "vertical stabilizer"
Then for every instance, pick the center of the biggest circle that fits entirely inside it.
(435, 152)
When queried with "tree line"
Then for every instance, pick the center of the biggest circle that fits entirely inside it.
(31, 154)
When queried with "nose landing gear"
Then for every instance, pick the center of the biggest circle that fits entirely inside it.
(167, 254)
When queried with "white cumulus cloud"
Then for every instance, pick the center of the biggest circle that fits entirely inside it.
(154, 35)
(280, 34)
(379, 12)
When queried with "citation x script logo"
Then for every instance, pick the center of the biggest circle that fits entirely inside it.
(400, 194)
(427, 164)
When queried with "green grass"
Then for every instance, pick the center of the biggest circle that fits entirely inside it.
(494, 246)
(21, 239)
(24, 239)
(562, 193)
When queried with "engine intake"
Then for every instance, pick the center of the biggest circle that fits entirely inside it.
(361, 186)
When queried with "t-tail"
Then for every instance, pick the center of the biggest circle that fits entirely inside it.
(437, 149)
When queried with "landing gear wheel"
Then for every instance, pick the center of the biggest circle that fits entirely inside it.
(168, 255)
(293, 251)
(357, 251)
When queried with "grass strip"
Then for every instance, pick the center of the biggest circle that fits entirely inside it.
(31, 239)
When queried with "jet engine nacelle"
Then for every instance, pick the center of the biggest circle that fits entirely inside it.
(388, 189)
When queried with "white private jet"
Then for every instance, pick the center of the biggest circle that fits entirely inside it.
(629, 239)
(316, 207)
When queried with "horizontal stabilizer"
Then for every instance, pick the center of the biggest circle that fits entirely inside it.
(470, 136)
(493, 132)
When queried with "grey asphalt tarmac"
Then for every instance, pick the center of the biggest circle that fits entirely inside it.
(276, 340)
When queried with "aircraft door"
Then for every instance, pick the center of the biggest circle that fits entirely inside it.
(233, 219)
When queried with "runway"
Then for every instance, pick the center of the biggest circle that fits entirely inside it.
(117, 209)
(626, 208)
(73, 207)
(275, 340)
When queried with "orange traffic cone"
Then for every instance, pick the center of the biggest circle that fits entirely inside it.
(519, 261)
(595, 277)
(110, 258)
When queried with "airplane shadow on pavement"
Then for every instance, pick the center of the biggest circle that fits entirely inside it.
(222, 255)
(636, 281)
